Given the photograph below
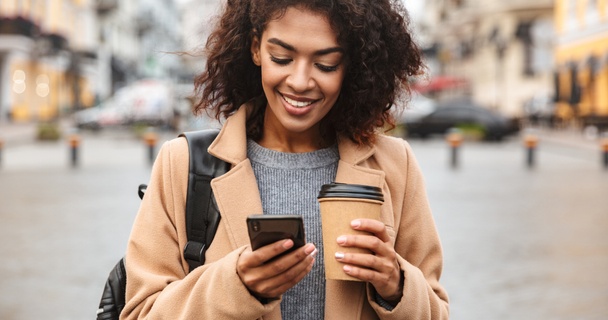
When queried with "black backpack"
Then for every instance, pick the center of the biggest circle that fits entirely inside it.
(202, 219)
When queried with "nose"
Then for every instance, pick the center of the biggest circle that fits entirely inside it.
(300, 79)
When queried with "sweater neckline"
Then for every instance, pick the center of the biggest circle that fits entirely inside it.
(305, 160)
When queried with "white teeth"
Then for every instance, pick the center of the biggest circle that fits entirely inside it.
(297, 104)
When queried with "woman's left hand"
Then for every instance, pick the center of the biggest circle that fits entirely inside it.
(380, 267)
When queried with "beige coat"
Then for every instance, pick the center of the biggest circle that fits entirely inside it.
(159, 286)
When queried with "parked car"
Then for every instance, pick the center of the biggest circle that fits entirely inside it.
(415, 108)
(464, 114)
(106, 114)
(149, 102)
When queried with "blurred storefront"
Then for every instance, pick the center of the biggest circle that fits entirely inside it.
(60, 56)
(581, 75)
(47, 61)
(502, 49)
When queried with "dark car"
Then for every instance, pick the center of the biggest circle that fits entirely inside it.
(465, 115)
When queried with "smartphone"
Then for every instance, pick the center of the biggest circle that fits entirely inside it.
(265, 229)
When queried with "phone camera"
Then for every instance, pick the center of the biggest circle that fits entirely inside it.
(256, 226)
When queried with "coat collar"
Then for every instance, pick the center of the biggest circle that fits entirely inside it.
(231, 144)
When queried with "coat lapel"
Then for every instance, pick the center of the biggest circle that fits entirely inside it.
(350, 168)
(237, 196)
(236, 192)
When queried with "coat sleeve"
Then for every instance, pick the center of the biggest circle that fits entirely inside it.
(419, 252)
(158, 283)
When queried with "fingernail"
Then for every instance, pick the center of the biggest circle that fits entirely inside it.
(355, 224)
(314, 253)
(347, 269)
(288, 244)
(342, 239)
(310, 249)
(339, 255)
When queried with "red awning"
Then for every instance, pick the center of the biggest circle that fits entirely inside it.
(440, 83)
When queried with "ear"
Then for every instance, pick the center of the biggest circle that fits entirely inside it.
(255, 51)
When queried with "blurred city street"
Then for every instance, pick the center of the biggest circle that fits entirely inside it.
(519, 242)
(524, 230)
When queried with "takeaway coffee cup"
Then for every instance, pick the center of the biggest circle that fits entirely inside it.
(340, 204)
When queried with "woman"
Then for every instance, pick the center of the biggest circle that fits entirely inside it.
(305, 87)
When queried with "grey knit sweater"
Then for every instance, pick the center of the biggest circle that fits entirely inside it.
(289, 184)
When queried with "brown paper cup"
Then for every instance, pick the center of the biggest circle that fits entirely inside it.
(336, 216)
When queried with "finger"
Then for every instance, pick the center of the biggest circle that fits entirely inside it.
(268, 252)
(369, 242)
(367, 261)
(368, 275)
(279, 284)
(373, 226)
(270, 269)
(285, 262)
(387, 284)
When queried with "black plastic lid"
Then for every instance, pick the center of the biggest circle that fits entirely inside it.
(343, 190)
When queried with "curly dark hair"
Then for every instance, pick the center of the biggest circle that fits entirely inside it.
(380, 51)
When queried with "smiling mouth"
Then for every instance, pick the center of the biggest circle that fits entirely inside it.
(298, 104)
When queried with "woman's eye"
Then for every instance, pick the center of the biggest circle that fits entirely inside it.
(325, 68)
(279, 61)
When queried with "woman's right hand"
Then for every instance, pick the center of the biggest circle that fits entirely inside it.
(270, 279)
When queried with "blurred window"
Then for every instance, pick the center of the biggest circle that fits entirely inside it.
(592, 14)
(542, 33)
(571, 19)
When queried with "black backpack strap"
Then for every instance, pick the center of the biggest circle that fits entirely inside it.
(202, 215)
(113, 295)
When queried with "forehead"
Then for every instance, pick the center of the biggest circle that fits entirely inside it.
(301, 24)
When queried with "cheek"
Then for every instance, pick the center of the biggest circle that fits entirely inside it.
(271, 76)
(332, 86)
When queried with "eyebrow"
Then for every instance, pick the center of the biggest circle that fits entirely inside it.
(292, 48)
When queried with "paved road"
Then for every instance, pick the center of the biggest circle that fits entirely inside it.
(519, 243)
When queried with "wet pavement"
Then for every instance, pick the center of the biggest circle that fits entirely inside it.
(519, 242)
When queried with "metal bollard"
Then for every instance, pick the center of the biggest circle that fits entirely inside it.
(74, 143)
(604, 144)
(454, 139)
(150, 138)
(530, 143)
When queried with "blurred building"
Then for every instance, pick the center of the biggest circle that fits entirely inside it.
(138, 39)
(198, 17)
(582, 61)
(160, 36)
(47, 57)
(498, 52)
(63, 55)
(119, 46)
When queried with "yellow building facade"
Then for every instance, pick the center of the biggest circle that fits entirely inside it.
(39, 40)
(581, 58)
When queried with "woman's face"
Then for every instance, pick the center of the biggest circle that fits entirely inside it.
(302, 68)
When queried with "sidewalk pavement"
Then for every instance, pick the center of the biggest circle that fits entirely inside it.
(11, 133)
(25, 133)
(567, 137)
(20, 133)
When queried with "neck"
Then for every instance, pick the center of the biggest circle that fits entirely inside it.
(292, 142)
